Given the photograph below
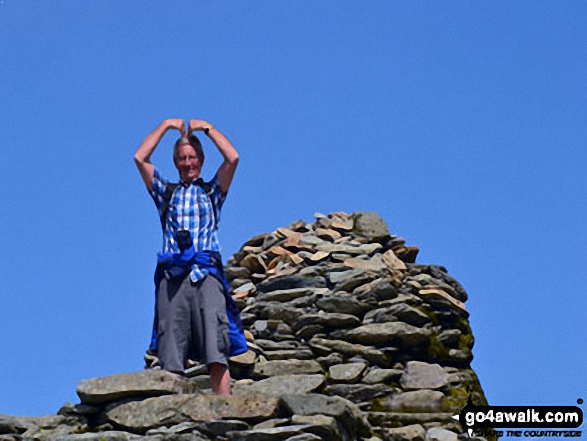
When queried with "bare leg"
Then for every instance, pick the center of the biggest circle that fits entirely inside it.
(220, 377)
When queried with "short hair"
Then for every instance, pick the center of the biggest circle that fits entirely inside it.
(191, 140)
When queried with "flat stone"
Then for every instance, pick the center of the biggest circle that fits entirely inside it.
(325, 427)
(327, 234)
(346, 373)
(344, 411)
(342, 303)
(376, 291)
(274, 434)
(421, 375)
(236, 272)
(371, 226)
(371, 354)
(307, 437)
(342, 225)
(279, 311)
(328, 320)
(358, 393)
(283, 232)
(319, 256)
(185, 427)
(283, 384)
(450, 338)
(245, 359)
(168, 410)
(461, 357)
(382, 334)
(345, 276)
(270, 345)
(217, 428)
(252, 263)
(109, 435)
(375, 264)
(390, 419)
(393, 262)
(146, 383)
(439, 294)
(441, 434)
(414, 432)
(287, 367)
(289, 354)
(291, 281)
(285, 295)
(349, 280)
(382, 376)
(368, 248)
(270, 424)
(427, 401)
(398, 312)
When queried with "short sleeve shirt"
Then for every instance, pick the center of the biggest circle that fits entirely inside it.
(190, 208)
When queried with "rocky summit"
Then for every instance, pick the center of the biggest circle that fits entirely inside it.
(349, 339)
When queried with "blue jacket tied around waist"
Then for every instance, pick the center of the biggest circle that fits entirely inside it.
(179, 265)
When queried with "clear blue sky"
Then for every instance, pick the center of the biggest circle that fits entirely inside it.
(463, 123)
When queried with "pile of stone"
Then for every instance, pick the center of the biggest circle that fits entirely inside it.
(350, 339)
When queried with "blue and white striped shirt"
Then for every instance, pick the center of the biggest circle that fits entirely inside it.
(190, 208)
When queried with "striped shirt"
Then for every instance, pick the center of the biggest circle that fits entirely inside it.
(190, 208)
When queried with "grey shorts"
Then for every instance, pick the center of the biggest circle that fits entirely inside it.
(192, 323)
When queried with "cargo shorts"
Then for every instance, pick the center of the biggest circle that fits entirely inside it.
(192, 322)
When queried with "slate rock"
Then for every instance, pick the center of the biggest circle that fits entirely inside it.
(283, 384)
(346, 373)
(371, 354)
(287, 367)
(382, 334)
(414, 432)
(274, 434)
(270, 424)
(397, 312)
(306, 437)
(429, 401)
(376, 291)
(349, 280)
(150, 382)
(382, 376)
(421, 375)
(441, 434)
(450, 338)
(277, 311)
(328, 320)
(290, 282)
(322, 426)
(285, 295)
(217, 428)
(391, 419)
(141, 416)
(109, 435)
(270, 345)
(344, 411)
(289, 354)
(460, 357)
(343, 304)
(358, 393)
(355, 250)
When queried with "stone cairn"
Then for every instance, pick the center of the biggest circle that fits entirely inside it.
(349, 340)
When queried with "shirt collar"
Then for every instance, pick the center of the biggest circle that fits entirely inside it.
(199, 182)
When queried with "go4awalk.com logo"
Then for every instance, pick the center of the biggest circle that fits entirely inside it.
(483, 420)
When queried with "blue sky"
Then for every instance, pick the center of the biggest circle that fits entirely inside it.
(463, 124)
